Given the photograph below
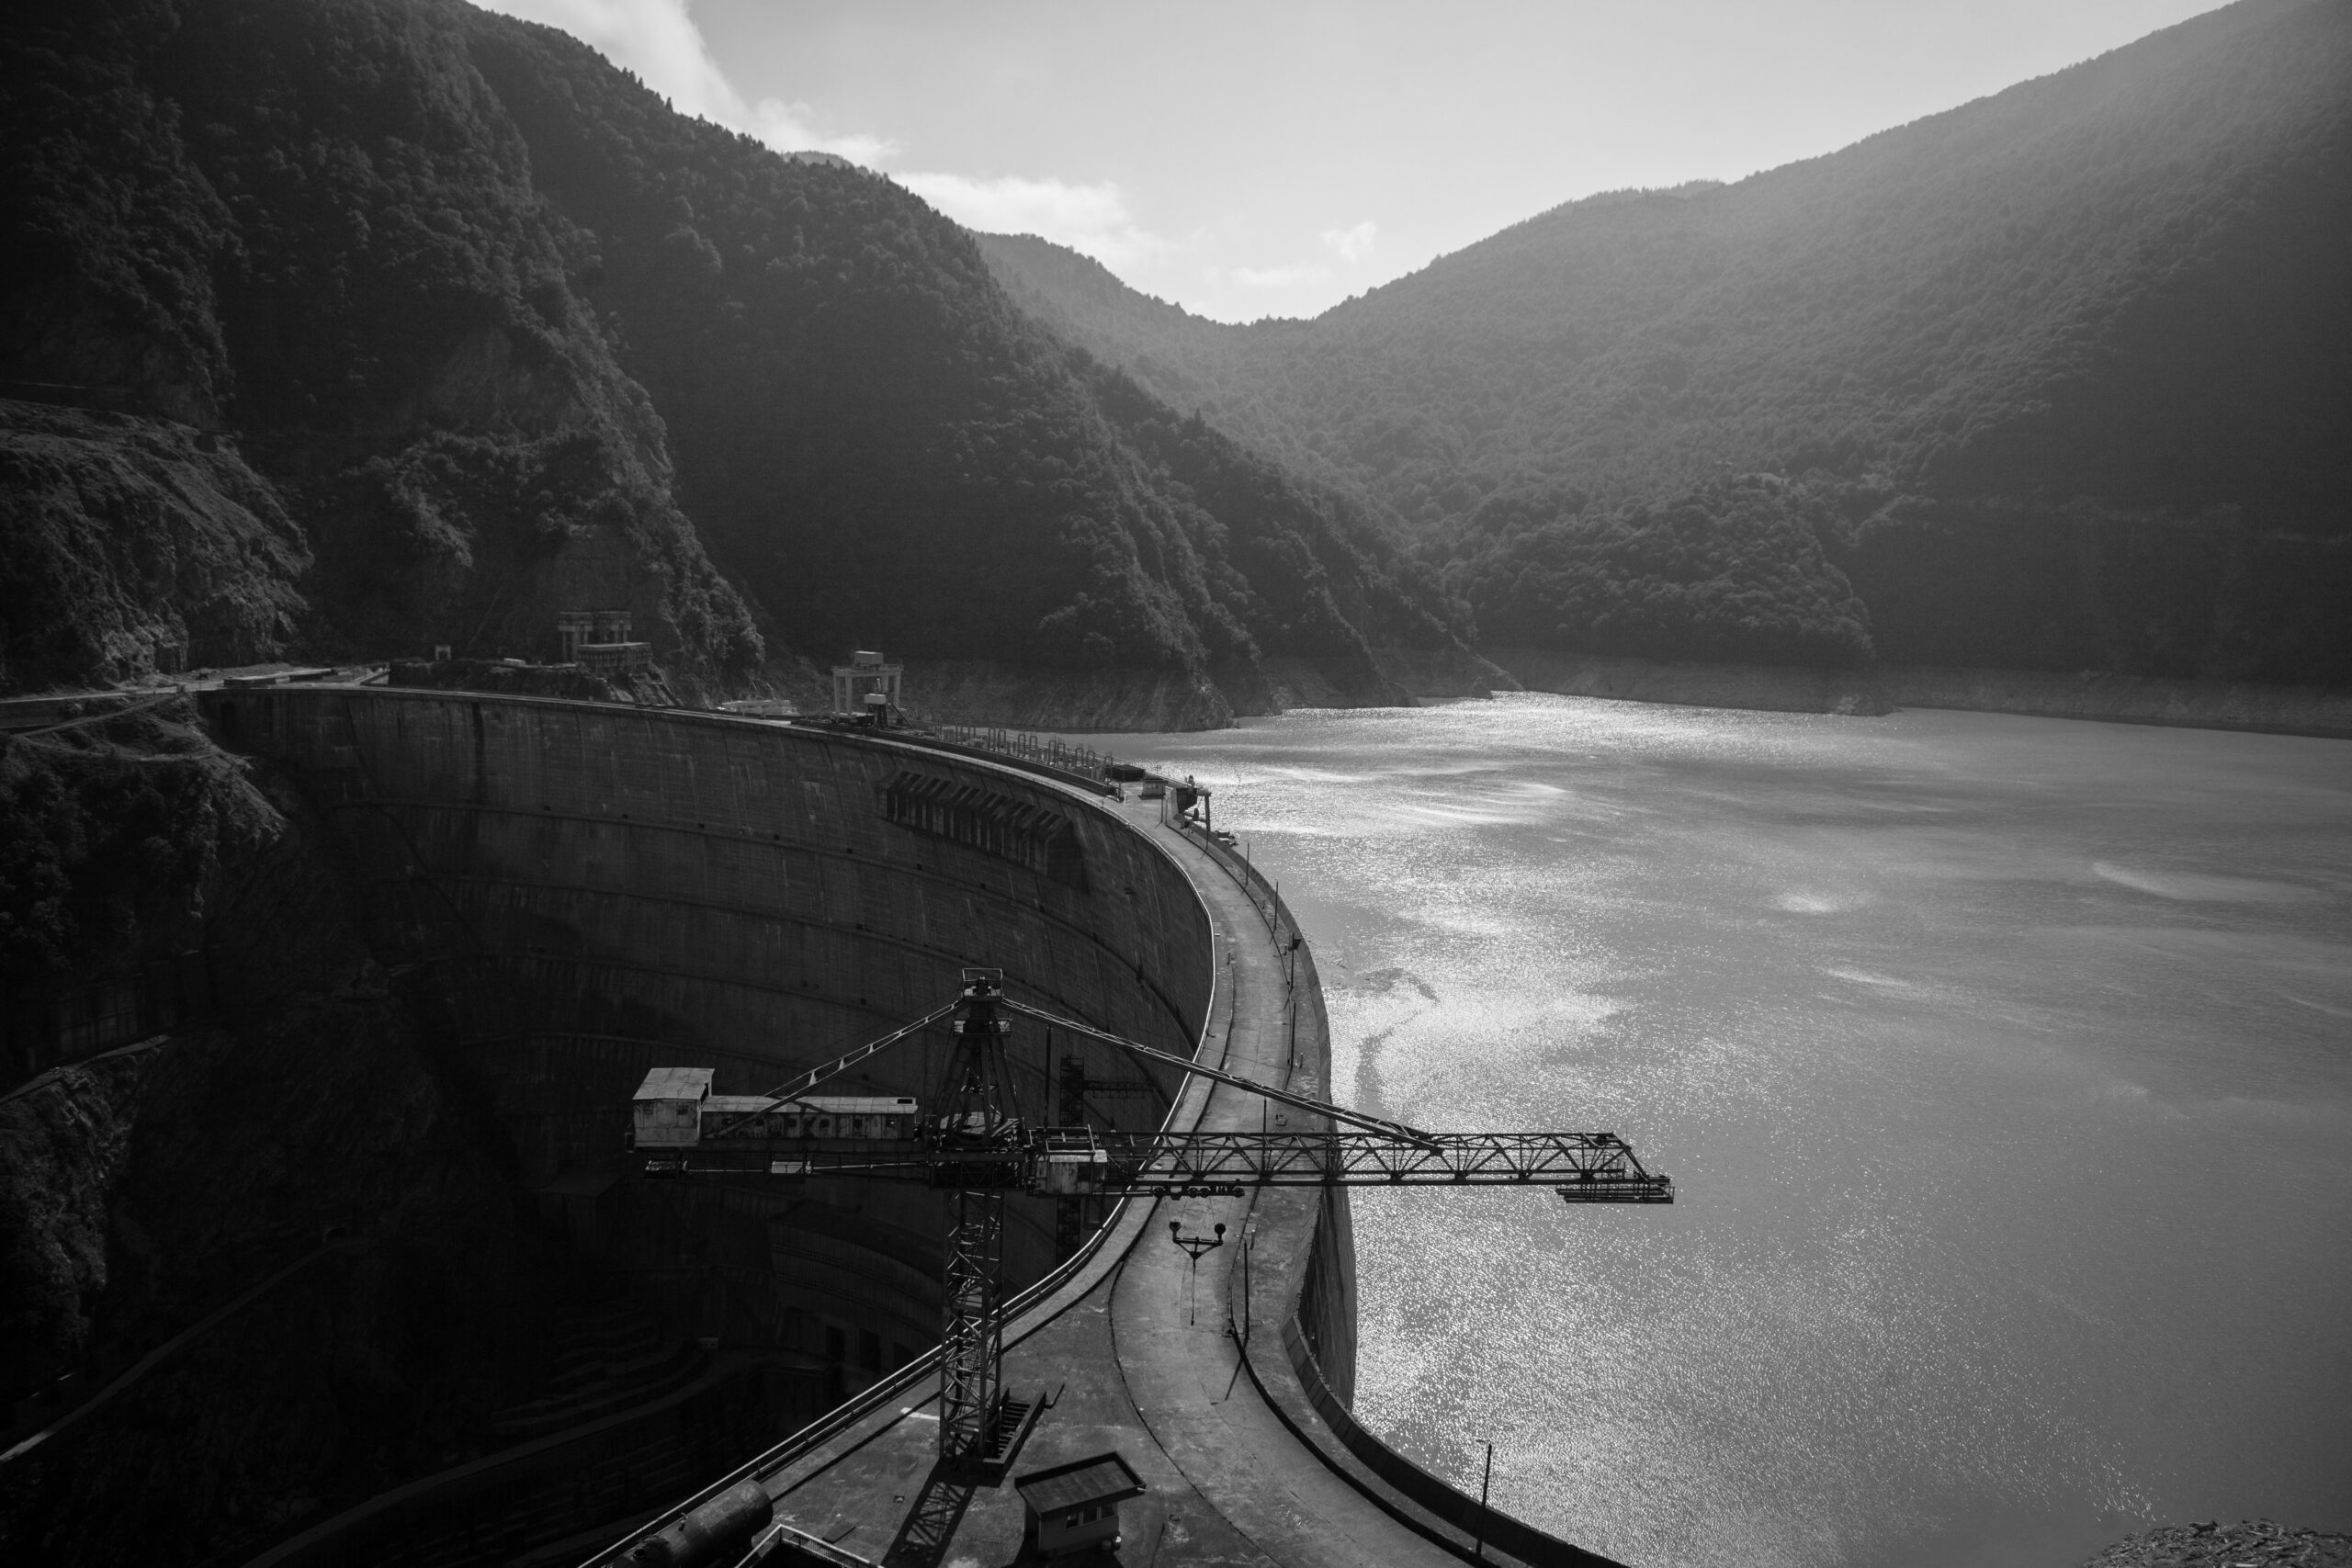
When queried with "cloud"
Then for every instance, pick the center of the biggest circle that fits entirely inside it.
(1290, 277)
(1352, 244)
(784, 127)
(659, 40)
(1092, 219)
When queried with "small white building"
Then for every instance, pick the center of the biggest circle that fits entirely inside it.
(667, 1109)
(1075, 1508)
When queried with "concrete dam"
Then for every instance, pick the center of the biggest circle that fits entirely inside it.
(574, 894)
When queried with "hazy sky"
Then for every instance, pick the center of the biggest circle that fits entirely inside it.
(1272, 159)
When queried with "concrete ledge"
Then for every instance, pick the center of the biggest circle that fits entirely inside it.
(1500, 1533)
(1291, 1380)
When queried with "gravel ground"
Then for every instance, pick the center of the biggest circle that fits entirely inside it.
(2250, 1543)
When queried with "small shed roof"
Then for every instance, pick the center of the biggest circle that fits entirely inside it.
(1105, 1478)
(676, 1083)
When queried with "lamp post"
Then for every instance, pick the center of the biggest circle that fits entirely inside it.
(1194, 1246)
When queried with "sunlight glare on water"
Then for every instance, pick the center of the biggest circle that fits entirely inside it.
(2003, 1067)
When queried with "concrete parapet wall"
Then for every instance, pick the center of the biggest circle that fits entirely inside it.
(1499, 1536)
(1301, 1311)
(1312, 1286)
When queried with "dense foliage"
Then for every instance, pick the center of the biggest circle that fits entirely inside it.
(105, 848)
(496, 322)
(1731, 570)
(875, 442)
(1295, 568)
(308, 226)
(2123, 286)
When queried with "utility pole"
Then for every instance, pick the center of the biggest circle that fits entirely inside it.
(1248, 1245)
(1485, 1487)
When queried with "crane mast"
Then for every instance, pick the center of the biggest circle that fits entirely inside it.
(977, 1147)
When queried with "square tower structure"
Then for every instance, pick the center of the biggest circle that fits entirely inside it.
(866, 688)
(599, 640)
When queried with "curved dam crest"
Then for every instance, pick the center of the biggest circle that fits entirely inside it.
(580, 892)
(574, 893)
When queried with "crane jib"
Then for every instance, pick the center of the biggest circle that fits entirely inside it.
(968, 1141)
(738, 1135)
(1596, 1167)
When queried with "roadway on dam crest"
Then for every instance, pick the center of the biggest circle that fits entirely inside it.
(1136, 1356)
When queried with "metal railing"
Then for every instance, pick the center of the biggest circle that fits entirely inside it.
(1264, 896)
(1044, 751)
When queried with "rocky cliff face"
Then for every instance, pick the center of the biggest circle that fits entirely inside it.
(309, 227)
(134, 546)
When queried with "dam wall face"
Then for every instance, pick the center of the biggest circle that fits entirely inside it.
(574, 893)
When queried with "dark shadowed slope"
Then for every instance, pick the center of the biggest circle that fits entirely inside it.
(2063, 376)
(308, 231)
(495, 331)
(882, 447)
(302, 1150)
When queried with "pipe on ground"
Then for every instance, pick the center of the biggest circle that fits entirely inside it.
(716, 1532)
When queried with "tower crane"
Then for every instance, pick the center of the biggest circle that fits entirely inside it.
(970, 1143)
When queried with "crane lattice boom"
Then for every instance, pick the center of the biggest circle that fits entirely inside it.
(1588, 1167)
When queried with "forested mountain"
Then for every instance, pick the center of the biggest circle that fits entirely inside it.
(2060, 378)
(396, 322)
(356, 326)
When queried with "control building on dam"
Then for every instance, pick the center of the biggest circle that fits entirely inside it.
(576, 894)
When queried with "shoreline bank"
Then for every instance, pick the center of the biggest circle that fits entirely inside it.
(2099, 696)
(1115, 700)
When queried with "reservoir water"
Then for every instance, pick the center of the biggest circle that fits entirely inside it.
(2004, 1066)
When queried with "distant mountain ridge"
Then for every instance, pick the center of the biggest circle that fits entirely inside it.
(469, 327)
(2059, 378)
(357, 326)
